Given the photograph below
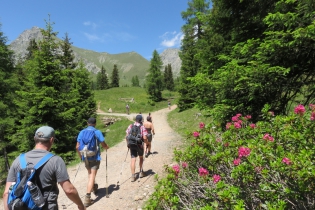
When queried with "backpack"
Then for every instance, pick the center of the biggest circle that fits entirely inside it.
(88, 143)
(134, 137)
(20, 197)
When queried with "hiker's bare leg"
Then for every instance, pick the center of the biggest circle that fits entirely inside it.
(133, 165)
(149, 147)
(92, 174)
(141, 163)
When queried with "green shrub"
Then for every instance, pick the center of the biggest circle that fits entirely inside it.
(267, 165)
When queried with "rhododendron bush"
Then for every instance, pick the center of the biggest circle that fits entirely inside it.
(263, 165)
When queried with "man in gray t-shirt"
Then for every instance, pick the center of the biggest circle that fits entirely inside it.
(51, 173)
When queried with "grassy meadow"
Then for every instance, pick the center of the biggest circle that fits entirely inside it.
(117, 98)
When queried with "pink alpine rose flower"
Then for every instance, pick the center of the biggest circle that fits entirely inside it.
(252, 125)
(203, 172)
(234, 118)
(201, 125)
(286, 161)
(216, 178)
(176, 169)
(196, 134)
(243, 152)
(299, 109)
(237, 161)
(228, 125)
(271, 113)
(268, 137)
(247, 117)
(313, 116)
(312, 107)
(237, 125)
(184, 164)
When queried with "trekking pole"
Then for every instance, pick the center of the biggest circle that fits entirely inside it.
(106, 177)
(122, 166)
(77, 171)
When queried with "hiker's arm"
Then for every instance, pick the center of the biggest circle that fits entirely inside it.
(5, 195)
(72, 193)
(152, 129)
(77, 148)
(104, 145)
(145, 139)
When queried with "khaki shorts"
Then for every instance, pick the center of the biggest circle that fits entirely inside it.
(93, 164)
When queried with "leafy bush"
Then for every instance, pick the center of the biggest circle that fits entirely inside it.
(267, 165)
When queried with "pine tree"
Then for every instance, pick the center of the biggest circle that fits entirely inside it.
(135, 81)
(102, 79)
(168, 78)
(67, 58)
(8, 86)
(30, 49)
(115, 77)
(192, 42)
(49, 99)
(154, 83)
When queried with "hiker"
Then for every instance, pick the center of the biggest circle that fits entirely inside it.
(169, 104)
(92, 163)
(52, 172)
(127, 108)
(150, 129)
(139, 149)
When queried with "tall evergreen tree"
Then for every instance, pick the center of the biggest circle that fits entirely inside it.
(154, 83)
(135, 81)
(8, 86)
(30, 49)
(191, 43)
(168, 78)
(67, 57)
(115, 77)
(49, 100)
(102, 79)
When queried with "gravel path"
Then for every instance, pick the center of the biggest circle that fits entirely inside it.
(124, 194)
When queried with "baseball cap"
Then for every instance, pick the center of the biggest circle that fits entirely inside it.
(91, 120)
(45, 132)
(139, 118)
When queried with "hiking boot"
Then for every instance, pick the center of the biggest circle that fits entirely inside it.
(146, 155)
(133, 178)
(142, 174)
(95, 188)
(88, 201)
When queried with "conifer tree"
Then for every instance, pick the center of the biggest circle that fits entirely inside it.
(115, 77)
(48, 99)
(191, 43)
(67, 57)
(168, 78)
(30, 49)
(135, 81)
(102, 79)
(8, 86)
(154, 84)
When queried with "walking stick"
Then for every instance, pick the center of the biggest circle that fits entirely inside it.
(122, 167)
(106, 177)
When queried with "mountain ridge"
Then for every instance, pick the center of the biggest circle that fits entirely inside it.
(129, 63)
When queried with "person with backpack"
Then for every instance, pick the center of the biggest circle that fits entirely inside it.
(39, 171)
(88, 150)
(150, 129)
(136, 136)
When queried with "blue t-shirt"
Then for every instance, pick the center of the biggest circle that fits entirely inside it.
(100, 138)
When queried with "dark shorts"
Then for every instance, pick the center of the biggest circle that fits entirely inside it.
(137, 151)
(93, 164)
(149, 136)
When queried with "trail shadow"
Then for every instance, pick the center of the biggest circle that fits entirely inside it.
(101, 192)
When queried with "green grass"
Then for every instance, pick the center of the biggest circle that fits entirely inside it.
(185, 122)
(114, 98)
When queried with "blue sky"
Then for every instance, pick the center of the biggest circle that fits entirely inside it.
(112, 26)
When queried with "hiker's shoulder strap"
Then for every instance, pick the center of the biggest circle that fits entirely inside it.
(43, 160)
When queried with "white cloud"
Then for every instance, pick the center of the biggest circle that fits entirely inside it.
(171, 39)
(93, 37)
(89, 23)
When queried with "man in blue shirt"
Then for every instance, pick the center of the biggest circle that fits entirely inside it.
(93, 163)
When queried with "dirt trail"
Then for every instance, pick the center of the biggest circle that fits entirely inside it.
(127, 194)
